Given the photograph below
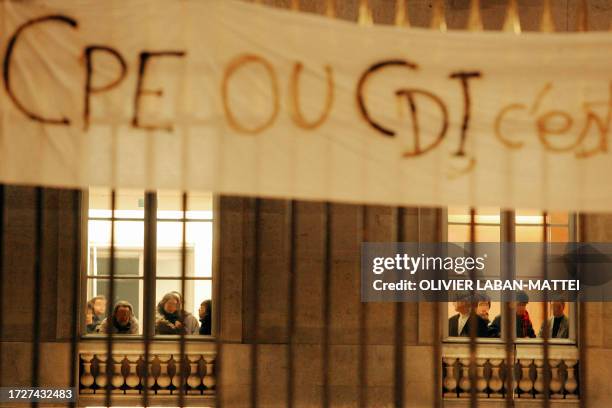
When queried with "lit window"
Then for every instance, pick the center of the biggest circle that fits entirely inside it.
(130, 279)
(490, 225)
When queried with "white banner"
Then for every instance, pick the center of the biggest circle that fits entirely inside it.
(237, 98)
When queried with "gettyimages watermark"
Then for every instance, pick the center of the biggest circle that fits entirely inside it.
(412, 272)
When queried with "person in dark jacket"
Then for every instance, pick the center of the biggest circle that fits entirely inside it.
(460, 325)
(205, 312)
(524, 327)
(122, 320)
(484, 306)
(172, 319)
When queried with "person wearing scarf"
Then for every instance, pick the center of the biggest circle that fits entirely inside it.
(122, 320)
(172, 319)
(524, 327)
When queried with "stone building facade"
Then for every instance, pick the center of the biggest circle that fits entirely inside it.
(352, 327)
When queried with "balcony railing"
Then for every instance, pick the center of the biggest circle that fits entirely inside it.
(528, 371)
(164, 365)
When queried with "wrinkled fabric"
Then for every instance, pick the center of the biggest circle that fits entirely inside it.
(481, 119)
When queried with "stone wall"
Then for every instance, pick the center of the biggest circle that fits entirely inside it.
(348, 227)
(59, 215)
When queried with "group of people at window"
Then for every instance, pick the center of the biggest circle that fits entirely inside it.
(170, 317)
(460, 325)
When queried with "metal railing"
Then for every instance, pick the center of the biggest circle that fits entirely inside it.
(182, 373)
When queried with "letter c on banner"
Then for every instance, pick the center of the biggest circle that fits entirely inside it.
(7, 64)
(361, 85)
(233, 66)
(498, 125)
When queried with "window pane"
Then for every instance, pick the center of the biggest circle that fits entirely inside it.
(126, 264)
(558, 234)
(458, 233)
(170, 205)
(129, 243)
(486, 215)
(128, 234)
(534, 234)
(487, 234)
(128, 203)
(529, 217)
(558, 218)
(199, 248)
(196, 292)
(529, 234)
(461, 233)
(169, 262)
(127, 290)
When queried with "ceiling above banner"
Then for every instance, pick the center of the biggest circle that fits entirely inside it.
(238, 98)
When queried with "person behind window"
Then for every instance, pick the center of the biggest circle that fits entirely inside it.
(460, 324)
(205, 312)
(172, 319)
(559, 323)
(483, 307)
(91, 324)
(524, 327)
(122, 320)
(98, 303)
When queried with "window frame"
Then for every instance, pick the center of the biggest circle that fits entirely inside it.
(504, 225)
(149, 279)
